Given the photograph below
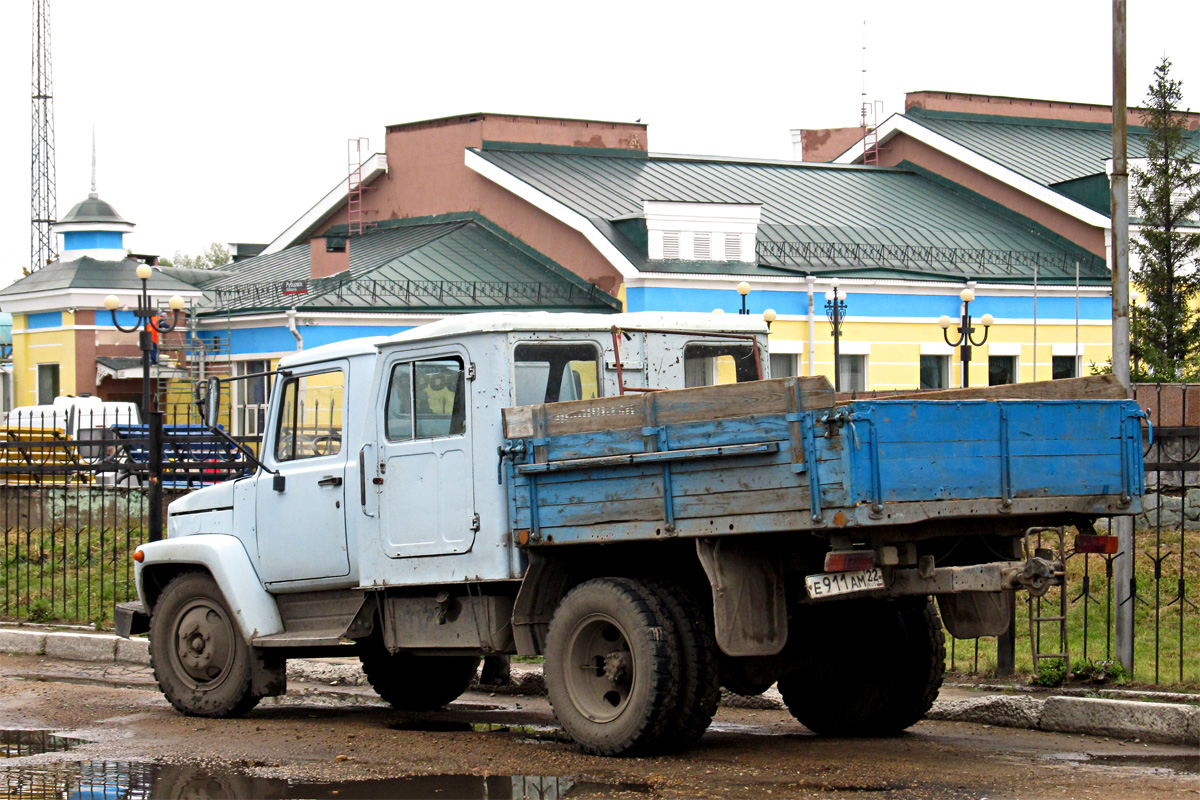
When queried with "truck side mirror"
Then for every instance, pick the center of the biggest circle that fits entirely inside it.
(208, 400)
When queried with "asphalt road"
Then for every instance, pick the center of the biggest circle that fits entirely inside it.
(340, 742)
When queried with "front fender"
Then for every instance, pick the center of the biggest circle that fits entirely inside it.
(225, 558)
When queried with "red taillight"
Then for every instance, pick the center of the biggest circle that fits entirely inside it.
(139, 556)
(849, 560)
(1088, 543)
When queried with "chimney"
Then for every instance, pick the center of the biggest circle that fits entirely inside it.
(330, 256)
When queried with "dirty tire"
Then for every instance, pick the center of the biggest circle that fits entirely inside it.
(918, 673)
(200, 660)
(611, 664)
(888, 667)
(416, 683)
(698, 689)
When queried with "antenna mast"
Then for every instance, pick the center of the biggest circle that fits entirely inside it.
(42, 192)
(870, 128)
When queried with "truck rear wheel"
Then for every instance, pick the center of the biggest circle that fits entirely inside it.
(698, 688)
(416, 683)
(200, 660)
(612, 663)
(875, 669)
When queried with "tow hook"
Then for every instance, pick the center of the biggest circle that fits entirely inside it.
(1040, 573)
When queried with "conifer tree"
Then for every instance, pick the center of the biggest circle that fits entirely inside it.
(1166, 331)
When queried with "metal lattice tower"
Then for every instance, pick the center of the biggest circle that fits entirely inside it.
(42, 192)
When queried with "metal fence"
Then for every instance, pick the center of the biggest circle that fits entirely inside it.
(74, 502)
(74, 505)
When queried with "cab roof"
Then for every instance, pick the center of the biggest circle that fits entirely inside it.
(533, 321)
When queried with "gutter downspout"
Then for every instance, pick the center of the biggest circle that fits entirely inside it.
(812, 326)
(291, 318)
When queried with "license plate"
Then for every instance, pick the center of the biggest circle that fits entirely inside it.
(829, 584)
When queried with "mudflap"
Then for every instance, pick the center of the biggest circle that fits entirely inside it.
(131, 619)
(969, 615)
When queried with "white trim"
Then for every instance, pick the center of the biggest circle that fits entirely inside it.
(373, 167)
(45, 344)
(109, 254)
(898, 123)
(670, 280)
(314, 319)
(1067, 349)
(854, 348)
(1004, 349)
(936, 349)
(101, 227)
(85, 299)
(554, 208)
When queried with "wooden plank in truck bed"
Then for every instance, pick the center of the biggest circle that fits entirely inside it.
(1092, 387)
(703, 403)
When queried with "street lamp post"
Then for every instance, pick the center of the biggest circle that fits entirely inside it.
(743, 289)
(964, 339)
(148, 319)
(835, 310)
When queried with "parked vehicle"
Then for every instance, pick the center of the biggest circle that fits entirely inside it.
(513, 483)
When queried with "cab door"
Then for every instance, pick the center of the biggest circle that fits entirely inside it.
(301, 511)
(427, 497)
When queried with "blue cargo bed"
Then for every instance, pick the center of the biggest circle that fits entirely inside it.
(780, 456)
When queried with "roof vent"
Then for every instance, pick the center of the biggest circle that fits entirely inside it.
(701, 231)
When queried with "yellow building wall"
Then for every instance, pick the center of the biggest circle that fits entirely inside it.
(42, 347)
(894, 361)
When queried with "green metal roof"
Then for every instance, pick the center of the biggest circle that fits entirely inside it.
(1045, 151)
(86, 272)
(457, 262)
(815, 217)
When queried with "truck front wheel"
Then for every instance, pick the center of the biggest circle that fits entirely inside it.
(416, 683)
(200, 660)
(612, 660)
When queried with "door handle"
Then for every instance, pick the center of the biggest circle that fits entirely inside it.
(330, 480)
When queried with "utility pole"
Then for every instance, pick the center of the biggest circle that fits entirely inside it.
(1122, 526)
(42, 186)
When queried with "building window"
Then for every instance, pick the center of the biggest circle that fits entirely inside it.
(852, 373)
(935, 372)
(47, 383)
(1001, 370)
(1064, 367)
(250, 398)
(783, 365)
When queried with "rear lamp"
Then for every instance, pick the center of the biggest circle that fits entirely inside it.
(849, 560)
(1090, 543)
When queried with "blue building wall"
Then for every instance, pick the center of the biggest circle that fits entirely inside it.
(278, 339)
(45, 319)
(94, 240)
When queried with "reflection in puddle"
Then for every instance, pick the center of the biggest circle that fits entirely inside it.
(17, 743)
(117, 780)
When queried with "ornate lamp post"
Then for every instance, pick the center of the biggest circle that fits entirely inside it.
(964, 339)
(148, 320)
(835, 310)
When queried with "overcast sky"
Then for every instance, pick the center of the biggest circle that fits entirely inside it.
(224, 121)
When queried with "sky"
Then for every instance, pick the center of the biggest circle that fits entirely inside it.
(225, 121)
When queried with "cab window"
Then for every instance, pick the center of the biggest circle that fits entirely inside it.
(426, 399)
(553, 372)
(711, 364)
(311, 416)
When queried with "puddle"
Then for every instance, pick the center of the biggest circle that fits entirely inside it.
(17, 743)
(524, 733)
(1158, 763)
(120, 780)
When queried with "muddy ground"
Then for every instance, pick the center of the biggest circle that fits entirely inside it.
(341, 742)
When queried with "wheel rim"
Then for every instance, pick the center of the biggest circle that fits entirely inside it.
(600, 669)
(204, 644)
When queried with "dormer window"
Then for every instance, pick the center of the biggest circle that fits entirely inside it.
(701, 231)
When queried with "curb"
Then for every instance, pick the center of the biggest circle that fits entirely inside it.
(1164, 722)
(1167, 723)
